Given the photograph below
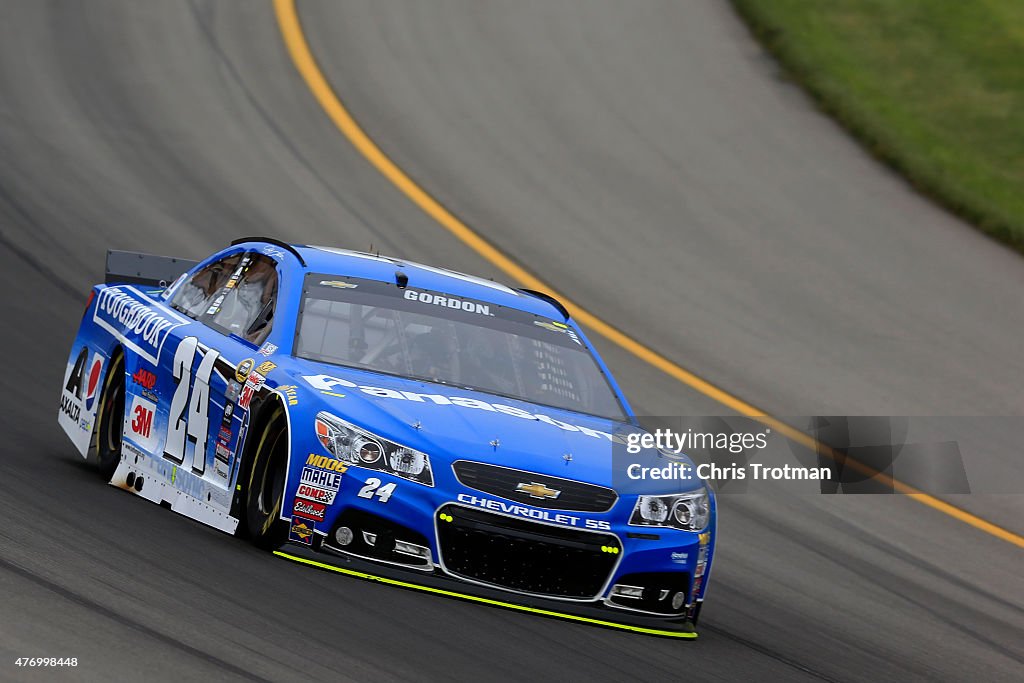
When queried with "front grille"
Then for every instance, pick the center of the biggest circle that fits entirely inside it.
(573, 496)
(525, 556)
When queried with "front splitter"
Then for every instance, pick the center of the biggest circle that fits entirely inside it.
(452, 588)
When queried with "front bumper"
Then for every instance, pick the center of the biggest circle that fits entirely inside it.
(465, 543)
(439, 583)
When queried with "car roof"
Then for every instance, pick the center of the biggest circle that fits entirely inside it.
(337, 261)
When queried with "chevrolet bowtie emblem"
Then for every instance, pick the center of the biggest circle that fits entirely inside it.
(537, 490)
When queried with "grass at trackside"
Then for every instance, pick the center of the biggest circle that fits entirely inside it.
(933, 87)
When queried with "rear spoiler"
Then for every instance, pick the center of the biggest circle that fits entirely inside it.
(130, 267)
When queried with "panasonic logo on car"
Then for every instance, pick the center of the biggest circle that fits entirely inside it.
(447, 302)
(330, 384)
(128, 315)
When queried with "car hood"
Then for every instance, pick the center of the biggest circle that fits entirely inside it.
(449, 424)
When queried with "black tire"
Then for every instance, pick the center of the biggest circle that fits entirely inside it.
(110, 420)
(264, 490)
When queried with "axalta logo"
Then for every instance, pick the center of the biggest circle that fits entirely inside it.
(532, 513)
(70, 407)
(82, 386)
(130, 316)
(447, 302)
(330, 384)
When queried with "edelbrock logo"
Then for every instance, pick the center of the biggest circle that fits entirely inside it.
(309, 509)
(130, 316)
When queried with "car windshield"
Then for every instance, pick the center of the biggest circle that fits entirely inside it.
(452, 340)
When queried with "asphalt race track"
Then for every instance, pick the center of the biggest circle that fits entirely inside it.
(644, 158)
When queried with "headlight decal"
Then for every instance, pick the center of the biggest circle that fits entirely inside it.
(359, 447)
(687, 511)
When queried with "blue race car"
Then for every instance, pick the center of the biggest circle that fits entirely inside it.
(388, 420)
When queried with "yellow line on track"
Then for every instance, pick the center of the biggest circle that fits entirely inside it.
(305, 62)
(688, 635)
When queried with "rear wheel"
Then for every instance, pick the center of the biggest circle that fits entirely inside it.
(110, 420)
(265, 488)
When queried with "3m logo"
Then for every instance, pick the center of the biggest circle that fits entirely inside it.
(142, 421)
(245, 398)
(252, 384)
(139, 424)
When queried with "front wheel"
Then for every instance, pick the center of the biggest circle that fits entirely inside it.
(265, 488)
